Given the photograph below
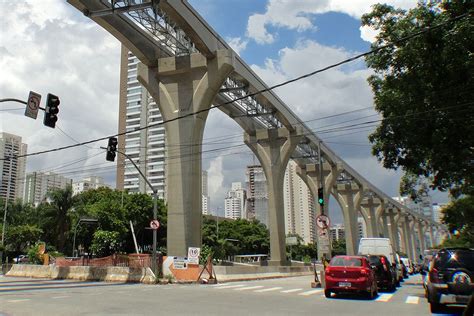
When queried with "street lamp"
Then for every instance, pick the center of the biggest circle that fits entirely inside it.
(81, 220)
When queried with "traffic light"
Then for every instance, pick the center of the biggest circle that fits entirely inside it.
(51, 110)
(111, 149)
(321, 196)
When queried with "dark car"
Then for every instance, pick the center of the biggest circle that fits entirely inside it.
(450, 278)
(350, 274)
(384, 273)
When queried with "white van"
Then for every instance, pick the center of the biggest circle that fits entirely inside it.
(382, 246)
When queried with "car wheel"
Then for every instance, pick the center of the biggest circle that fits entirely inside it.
(436, 307)
(327, 293)
(398, 284)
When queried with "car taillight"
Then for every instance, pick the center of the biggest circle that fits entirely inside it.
(434, 276)
(384, 263)
(364, 272)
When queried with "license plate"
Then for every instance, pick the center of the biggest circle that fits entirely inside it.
(344, 284)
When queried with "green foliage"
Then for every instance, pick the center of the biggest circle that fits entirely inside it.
(33, 254)
(413, 186)
(19, 238)
(105, 243)
(235, 237)
(338, 247)
(300, 252)
(459, 216)
(423, 90)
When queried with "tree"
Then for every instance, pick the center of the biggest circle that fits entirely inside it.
(338, 247)
(423, 91)
(458, 215)
(61, 202)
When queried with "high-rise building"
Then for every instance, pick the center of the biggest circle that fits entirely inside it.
(92, 182)
(299, 206)
(337, 232)
(257, 195)
(206, 200)
(235, 201)
(147, 146)
(12, 167)
(38, 184)
(424, 206)
(437, 212)
(361, 228)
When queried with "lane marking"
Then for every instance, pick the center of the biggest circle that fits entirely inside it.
(19, 300)
(228, 286)
(308, 293)
(291, 291)
(269, 290)
(249, 288)
(412, 300)
(384, 298)
(56, 297)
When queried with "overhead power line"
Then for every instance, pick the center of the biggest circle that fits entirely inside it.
(310, 74)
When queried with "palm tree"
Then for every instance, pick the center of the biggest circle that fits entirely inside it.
(62, 202)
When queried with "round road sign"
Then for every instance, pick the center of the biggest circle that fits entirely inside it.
(322, 221)
(154, 224)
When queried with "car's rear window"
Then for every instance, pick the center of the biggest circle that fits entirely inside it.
(346, 261)
(374, 260)
(453, 259)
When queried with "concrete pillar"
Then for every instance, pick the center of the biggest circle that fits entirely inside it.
(409, 238)
(421, 238)
(393, 230)
(371, 207)
(310, 174)
(181, 86)
(414, 239)
(432, 236)
(385, 226)
(346, 194)
(273, 149)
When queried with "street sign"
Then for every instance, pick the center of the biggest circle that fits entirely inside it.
(193, 255)
(154, 224)
(322, 221)
(179, 263)
(33, 105)
(291, 241)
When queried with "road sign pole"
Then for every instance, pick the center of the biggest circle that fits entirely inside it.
(153, 256)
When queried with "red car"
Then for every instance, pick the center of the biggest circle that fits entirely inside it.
(346, 274)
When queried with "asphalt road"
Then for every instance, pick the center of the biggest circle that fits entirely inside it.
(289, 296)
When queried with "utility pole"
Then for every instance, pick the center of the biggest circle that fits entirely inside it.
(10, 159)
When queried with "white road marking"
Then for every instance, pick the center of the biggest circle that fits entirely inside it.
(412, 300)
(56, 297)
(291, 291)
(269, 290)
(249, 288)
(384, 298)
(307, 293)
(19, 300)
(228, 286)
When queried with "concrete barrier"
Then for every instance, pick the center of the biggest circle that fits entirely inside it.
(240, 273)
(83, 273)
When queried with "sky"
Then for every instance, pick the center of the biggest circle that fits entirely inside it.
(50, 47)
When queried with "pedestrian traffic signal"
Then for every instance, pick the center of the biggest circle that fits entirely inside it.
(321, 196)
(111, 149)
(51, 110)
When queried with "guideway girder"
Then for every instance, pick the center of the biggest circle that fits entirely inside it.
(181, 86)
(273, 148)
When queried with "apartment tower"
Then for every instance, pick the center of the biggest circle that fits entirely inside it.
(12, 168)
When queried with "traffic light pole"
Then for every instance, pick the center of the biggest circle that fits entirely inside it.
(321, 175)
(154, 266)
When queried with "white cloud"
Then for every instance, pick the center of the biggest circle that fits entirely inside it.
(297, 15)
(48, 47)
(215, 176)
(237, 44)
